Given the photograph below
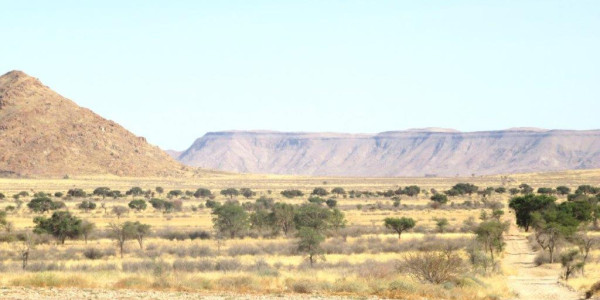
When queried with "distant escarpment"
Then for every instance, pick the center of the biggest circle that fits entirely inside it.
(418, 152)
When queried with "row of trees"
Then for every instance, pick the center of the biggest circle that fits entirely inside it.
(556, 224)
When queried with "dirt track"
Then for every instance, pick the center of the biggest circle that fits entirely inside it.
(529, 281)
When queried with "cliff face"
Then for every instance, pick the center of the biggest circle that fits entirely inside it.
(402, 153)
(45, 134)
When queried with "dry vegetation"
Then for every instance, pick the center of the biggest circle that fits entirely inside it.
(183, 251)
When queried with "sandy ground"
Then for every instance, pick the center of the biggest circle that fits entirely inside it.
(77, 293)
(529, 281)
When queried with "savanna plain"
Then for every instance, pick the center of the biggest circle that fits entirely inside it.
(228, 236)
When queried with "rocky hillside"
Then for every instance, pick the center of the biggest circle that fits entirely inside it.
(427, 152)
(45, 134)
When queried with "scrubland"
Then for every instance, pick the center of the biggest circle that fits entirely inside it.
(184, 252)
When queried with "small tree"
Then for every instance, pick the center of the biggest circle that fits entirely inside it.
(490, 235)
(247, 193)
(230, 192)
(87, 205)
(40, 205)
(86, 229)
(135, 191)
(282, 217)
(441, 224)
(312, 215)
(120, 234)
(159, 190)
(399, 225)
(76, 193)
(202, 193)
(292, 193)
(337, 220)
(309, 242)
(61, 225)
(563, 190)
(138, 205)
(338, 191)
(551, 226)
(25, 247)
(101, 191)
(585, 243)
(524, 206)
(174, 194)
(439, 198)
(331, 203)
(119, 210)
(319, 191)
(136, 230)
(230, 218)
(570, 262)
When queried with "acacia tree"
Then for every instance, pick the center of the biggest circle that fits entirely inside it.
(338, 191)
(230, 192)
(490, 235)
(202, 193)
(40, 205)
(524, 206)
(120, 234)
(230, 218)
(87, 205)
(439, 198)
(282, 217)
(86, 229)
(309, 242)
(399, 225)
(319, 191)
(138, 205)
(247, 193)
(585, 244)
(119, 210)
(101, 191)
(137, 230)
(551, 226)
(61, 225)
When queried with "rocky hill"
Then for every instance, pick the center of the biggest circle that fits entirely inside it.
(45, 134)
(419, 152)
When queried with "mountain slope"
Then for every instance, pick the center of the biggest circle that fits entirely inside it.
(45, 134)
(426, 152)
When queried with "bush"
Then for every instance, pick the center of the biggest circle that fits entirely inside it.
(542, 258)
(434, 267)
(401, 286)
(593, 290)
(93, 253)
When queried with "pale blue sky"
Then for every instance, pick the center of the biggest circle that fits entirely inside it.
(171, 72)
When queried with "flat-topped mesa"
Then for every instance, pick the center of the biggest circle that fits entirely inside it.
(415, 152)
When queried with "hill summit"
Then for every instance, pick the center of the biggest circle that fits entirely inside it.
(45, 134)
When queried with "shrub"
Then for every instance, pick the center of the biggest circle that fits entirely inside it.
(292, 193)
(93, 253)
(434, 267)
(542, 258)
(593, 290)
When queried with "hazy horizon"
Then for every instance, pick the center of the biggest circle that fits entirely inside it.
(172, 72)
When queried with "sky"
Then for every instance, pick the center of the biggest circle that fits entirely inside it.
(173, 70)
